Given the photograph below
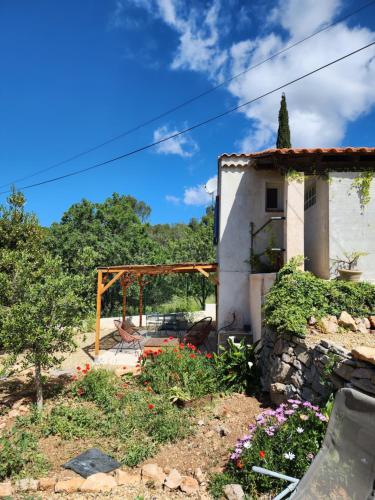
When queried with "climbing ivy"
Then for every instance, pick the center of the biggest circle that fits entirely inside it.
(362, 184)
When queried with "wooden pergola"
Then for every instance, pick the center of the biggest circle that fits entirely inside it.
(127, 275)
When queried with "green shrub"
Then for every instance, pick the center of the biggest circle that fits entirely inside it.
(236, 367)
(180, 370)
(70, 422)
(137, 449)
(298, 295)
(20, 457)
(99, 386)
(284, 440)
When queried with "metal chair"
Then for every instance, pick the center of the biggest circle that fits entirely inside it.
(198, 333)
(344, 468)
(128, 336)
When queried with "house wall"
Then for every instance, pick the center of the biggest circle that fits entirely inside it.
(350, 228)
(242, 200)
(316, 230)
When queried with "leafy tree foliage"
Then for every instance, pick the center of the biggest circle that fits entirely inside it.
(40, 308)
(283, 134)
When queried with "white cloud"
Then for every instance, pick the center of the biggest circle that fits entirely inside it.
(201, 194)
(320, 107)
(182, 145)
(172, 199)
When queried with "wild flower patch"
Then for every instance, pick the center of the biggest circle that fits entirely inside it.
(181, 372)
(284, 440)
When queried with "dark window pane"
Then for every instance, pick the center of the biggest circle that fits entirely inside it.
(271, 198)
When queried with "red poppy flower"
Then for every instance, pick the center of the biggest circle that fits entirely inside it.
(137, 365)
(160, 351)
(84, 372)
(78, 368)
(170, 338)
(192, 356)
(193, 348)
(175, 350)
(151, 406)
(87, 367)
(262, 454)
(182, 346)
(165, 341)
(239, 464)
(209, 356)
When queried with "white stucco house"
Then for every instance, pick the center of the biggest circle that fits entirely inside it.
(266, 217)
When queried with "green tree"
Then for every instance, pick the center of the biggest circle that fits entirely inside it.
(40, 308)
(283, 133)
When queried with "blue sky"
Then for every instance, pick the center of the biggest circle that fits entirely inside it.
(74, 74)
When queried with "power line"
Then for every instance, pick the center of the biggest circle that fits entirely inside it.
(193, 127)
(188, 101)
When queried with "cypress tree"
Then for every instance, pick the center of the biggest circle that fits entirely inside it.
(283, 134)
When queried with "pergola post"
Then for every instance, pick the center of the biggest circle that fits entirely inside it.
(141, 284)
(98, 311)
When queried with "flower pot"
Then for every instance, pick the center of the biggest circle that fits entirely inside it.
(350, 274)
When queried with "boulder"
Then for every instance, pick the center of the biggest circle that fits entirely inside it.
(152, 472)
(233, 492)
(69, 485)
(173, 480)
(328, 325)
(189, 485)
(281, 371)
(47, 483)
(343, 370)
(27, 484)
(364, 354)
(124, 477)
(98, 483)
(6, 489)
(278, 393)
(361, 326)
(347, 321)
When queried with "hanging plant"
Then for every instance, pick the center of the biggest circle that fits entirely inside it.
(362, 184)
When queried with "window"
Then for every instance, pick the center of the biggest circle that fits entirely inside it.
(310, 195)
(274, 198)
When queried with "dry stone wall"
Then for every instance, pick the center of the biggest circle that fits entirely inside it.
(292, 368)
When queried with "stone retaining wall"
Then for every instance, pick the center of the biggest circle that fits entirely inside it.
(291, 368)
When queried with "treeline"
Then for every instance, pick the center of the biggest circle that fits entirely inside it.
(114, 232)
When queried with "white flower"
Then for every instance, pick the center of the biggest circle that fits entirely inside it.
(250, 364)
(299, 430)
(289, 455)
(247, 444)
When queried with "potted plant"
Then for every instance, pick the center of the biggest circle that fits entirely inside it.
(347, 266)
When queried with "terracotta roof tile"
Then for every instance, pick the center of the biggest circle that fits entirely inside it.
(302, 152)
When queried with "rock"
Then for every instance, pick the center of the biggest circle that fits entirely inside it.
(47, 483)
(6, 489)
(152, 472)
(98, 483)
(173, 480)
(233, 492)
(279, 346)
(297, 379)
(199, 475)
(297, 364)
(307, 394)
(167, 469)
(27, 484)
(278, 393)
(361, 328)
(312, 321)
(287, 358)
(124, 477)
(372, 321)
(328, 326)
(364, 385)
(19, 403)
(367, 323)
(189, 485)
(320, 348)
(304, 357)
(281, 371)
(346, 321)
(364, 354)
(69, 485)
(343, 370)
(368, 373)
(200, 423)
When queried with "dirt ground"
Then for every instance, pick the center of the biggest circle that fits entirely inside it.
(348, 340)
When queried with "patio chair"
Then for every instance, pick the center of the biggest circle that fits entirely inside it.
(128, 336)
(344, 468)
(198, 333)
